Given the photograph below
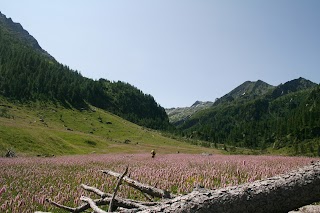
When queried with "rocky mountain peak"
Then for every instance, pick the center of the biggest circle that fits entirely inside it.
(292, 86)
(196, 103)
(247, 90)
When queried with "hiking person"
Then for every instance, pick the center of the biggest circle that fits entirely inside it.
(153, 153)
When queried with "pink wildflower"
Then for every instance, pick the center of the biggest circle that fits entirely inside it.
(3, 190)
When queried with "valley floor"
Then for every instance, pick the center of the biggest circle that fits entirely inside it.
(25, 182)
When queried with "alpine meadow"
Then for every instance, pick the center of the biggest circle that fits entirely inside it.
(69, 143)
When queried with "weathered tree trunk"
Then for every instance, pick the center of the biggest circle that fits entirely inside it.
(282, 193)
(277, 194)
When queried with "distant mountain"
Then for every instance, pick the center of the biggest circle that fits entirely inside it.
(291, 86)
(29, 74)
(180, 114)
(247, 91)
(258, 115)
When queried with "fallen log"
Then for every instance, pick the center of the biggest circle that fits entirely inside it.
(281, 193)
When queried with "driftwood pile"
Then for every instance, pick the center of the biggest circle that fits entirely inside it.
(281, 193)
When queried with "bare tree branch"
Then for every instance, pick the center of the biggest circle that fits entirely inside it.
(96, 191)
(116, 189)
(92, 204)
(124, 203)
(147, 197)
(61, 206)
(155, 192)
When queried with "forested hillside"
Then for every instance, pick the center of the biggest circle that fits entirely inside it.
(28, 73)
(285, 116)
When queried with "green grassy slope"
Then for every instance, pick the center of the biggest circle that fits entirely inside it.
(46, 129)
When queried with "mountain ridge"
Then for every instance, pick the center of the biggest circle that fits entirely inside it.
(246, 91)
(292, 86)
(22, 34)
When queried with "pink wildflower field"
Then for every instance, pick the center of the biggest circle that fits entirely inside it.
(26, 182)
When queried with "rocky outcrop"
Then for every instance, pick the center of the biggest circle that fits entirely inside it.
(180, 114)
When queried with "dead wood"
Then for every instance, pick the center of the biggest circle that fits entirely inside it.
(152, 191)
(116, 190)
(281, 193)
(93, 205)
(96, 191)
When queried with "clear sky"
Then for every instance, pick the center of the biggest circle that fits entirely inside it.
(179, 51)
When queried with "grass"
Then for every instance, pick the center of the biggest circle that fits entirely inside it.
(48, 129)
(25, 182)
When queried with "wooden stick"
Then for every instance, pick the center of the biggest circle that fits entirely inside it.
(92, 204)
(155, 192)
(96, 191)
(116, 189)
(147, 196)
(124, 203)
(67, 208)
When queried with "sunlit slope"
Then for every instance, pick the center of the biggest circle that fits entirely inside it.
(49, 129)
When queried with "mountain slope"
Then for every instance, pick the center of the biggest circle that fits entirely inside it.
(28, 73)
(46, 129)
(289, 120)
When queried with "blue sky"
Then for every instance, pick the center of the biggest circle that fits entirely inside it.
(179, 51)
